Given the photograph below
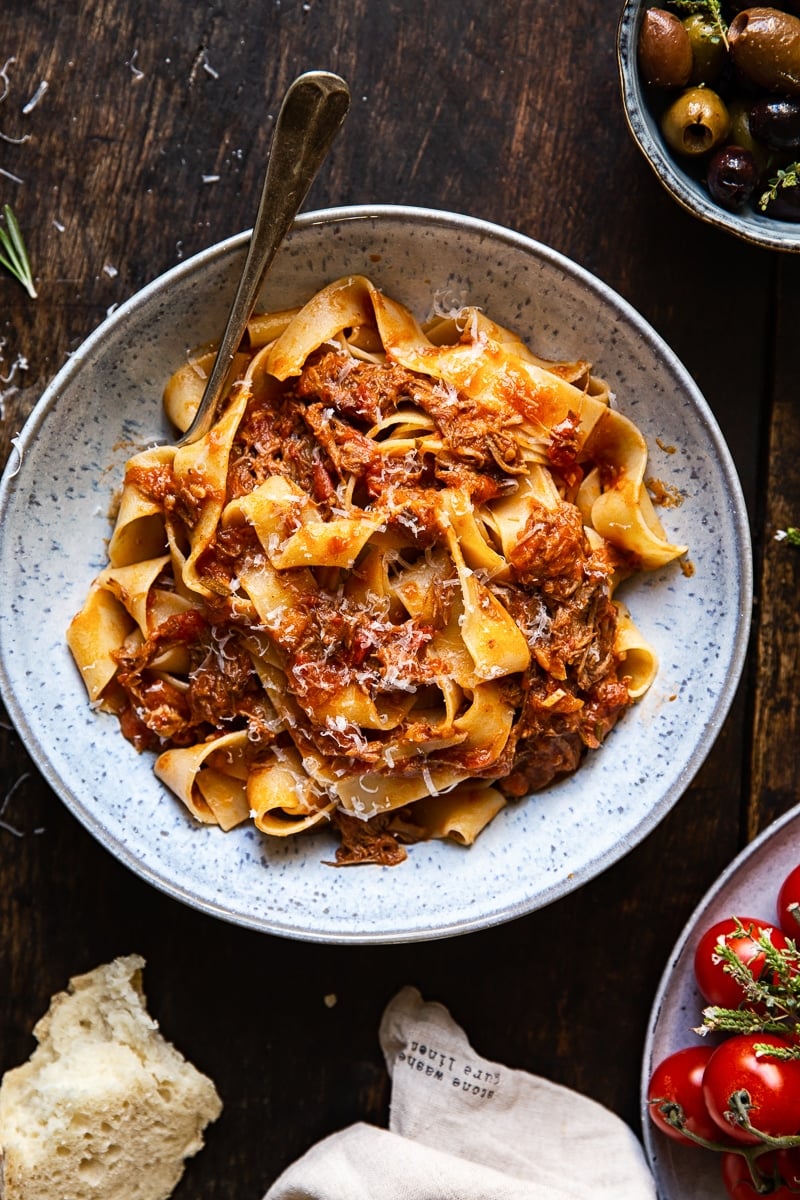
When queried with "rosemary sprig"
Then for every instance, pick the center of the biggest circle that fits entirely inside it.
(13, 254)
(771, 1000)
(785, 177)
(707, 8)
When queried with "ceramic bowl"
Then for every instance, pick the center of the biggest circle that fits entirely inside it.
(676, 175)
(106, 401)
(748, 886)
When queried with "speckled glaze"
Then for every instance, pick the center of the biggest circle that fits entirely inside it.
(691, 195)
(106, 402)
(748, 887)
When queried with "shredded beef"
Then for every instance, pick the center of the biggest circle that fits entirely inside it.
(314, 431)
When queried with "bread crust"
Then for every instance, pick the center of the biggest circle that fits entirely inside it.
(105, 1108)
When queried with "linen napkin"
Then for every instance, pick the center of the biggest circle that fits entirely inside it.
(464, 1128)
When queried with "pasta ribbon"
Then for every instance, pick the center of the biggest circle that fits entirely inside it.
(378, 595)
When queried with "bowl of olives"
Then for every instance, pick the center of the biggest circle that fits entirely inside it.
(711, 90)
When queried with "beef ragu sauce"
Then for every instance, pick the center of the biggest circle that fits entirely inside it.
(313, 431)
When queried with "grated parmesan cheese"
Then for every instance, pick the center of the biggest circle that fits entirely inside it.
(4, 77)
(137, 74)
(36, 97)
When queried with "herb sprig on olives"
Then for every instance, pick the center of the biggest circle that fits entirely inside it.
(778, 189)
(724, 81)
(710, 9)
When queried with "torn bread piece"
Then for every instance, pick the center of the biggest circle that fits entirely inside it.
(105, 1108)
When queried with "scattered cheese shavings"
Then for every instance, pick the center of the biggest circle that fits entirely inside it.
(12, 829)
(57, 225)
(36, 97)
(112, 272)
(17, 783)
(209, 69)
(210, 178)
(137, 74)
(10, 175)
(20, 363)
(4, 77)
(447, 302)
(428, 781)
(15, 448)
(15, 141)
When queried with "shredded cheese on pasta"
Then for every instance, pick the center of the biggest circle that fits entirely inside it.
(378, 594)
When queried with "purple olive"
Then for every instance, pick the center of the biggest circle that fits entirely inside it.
(732, 176)
(776, 123)
(784, 205)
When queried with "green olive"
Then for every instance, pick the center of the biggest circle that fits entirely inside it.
(696, 122)
(741, 134)
(708, 49)
(665, 55)
(765, 48)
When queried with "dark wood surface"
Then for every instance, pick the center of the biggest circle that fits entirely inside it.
(509, 111)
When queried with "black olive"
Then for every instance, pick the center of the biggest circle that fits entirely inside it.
(776, 123)
(741, 134)
(732, 176)
(786, 204)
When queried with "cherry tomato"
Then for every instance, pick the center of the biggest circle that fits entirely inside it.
(779, 1173)
(678, 1079)
(713, 979)
(789, 905)
(788, 1163)
(773, 1086)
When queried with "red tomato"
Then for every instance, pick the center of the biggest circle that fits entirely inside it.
(788, 1163)
(789, 905)
(773, 1086)
(713, 979)
(779, 1175)
(679, 1080)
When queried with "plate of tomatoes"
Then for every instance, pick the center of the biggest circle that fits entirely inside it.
(721, 1071)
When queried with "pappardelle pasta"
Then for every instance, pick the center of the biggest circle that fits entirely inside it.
(379, 594)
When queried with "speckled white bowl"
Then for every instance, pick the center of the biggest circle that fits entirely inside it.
(680, 183)
(53, 526)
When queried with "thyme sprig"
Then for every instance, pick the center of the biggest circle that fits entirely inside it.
(771, 999)
(785, 177)
(13, 253)
(708, 8)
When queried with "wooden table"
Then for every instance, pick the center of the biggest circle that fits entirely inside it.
(148, 145)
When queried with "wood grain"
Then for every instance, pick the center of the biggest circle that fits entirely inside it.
(775, 778)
